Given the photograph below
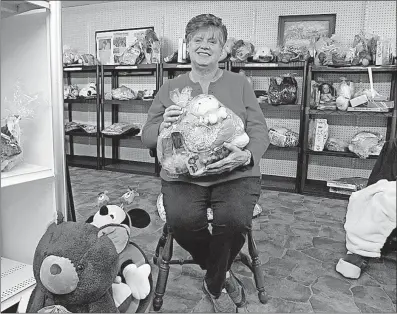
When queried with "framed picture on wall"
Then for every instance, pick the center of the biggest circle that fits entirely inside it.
(299, 30)
(110, 45)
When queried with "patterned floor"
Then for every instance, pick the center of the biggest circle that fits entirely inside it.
(300, 239)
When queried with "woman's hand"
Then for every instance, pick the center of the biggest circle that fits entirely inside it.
(171, 114)
(236, 158)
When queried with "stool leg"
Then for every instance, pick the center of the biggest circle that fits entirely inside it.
(164, 269)
(258, 274)
(160, 245)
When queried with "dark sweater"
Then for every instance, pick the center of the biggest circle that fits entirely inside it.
(235, 92)
(386, 164)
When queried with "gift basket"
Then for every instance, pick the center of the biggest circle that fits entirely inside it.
(72, 58)
(15, 110)
(283, 90)
(283, 137)
(196, 139)
(121, 128)
(364, 144)
(241, 51)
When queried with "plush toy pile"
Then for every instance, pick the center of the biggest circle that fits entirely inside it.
(197, 138)
(91, 267)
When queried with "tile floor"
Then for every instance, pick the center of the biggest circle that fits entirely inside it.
(300, 239)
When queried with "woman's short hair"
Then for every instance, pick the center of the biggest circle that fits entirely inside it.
(206, 21)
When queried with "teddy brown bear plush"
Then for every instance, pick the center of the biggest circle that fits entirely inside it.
(75, 265)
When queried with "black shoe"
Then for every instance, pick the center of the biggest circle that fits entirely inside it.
(221, 304)
(235, 289)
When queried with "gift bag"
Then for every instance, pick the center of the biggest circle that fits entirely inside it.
(283, 91)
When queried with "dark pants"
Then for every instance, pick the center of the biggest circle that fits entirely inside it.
(232, 203)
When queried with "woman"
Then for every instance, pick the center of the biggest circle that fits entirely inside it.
(231, 187)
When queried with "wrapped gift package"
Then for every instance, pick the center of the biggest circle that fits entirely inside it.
(197, 138)
(283, 137)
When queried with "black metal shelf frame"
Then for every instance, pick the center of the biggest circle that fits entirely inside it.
(315, 187)
(298, 109)
(141, 106)
(67, 71)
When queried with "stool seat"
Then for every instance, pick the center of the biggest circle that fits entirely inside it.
(163, 259)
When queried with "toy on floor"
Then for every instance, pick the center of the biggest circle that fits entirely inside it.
(133, 271)
(75, 265)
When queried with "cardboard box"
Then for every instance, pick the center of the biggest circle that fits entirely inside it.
(358, 100)
(318, 134)
(383, 53)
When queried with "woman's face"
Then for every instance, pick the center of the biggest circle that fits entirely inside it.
(205, 47)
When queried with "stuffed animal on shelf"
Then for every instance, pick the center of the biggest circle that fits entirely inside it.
(133, 271)
(75, 265)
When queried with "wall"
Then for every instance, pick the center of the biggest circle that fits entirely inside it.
(250, 20)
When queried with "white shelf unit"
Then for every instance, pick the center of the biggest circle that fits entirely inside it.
(31, 193)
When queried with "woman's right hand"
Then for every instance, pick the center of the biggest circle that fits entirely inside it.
(171, 114)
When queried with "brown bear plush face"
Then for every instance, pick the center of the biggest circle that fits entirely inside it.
(75, 262)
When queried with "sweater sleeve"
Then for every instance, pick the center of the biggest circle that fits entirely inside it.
(150, 130)
(256, 124)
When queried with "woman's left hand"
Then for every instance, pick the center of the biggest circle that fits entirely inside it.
(236, 158)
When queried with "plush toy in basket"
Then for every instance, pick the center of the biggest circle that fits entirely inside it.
(91, 267)
(196, 139)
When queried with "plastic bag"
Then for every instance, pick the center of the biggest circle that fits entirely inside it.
(283, 137)
(336, 145)
(132, 55)
(242, 50)
(123, 93)
(151, 47)
(121, 128)
(70, 56)
(364, 144)
(346, 88)
(197, 138)
(283, 91)
(16, 109)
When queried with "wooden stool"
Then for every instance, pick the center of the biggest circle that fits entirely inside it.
(163, 260)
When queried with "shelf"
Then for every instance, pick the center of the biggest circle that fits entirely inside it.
(80, 101)
(16, 280)
(338, 154)
(349, 113)
(10, 8)
(295, 148)
(131, 102)
(139, 67)
(81, 161)
(276, 183)
(267, 66)
(80, 133)
(123, 136)
(25, 173)
(385, 68)
(267, 107)
(188, 66)
(128, 166)
(80, 68)
(320, 188)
